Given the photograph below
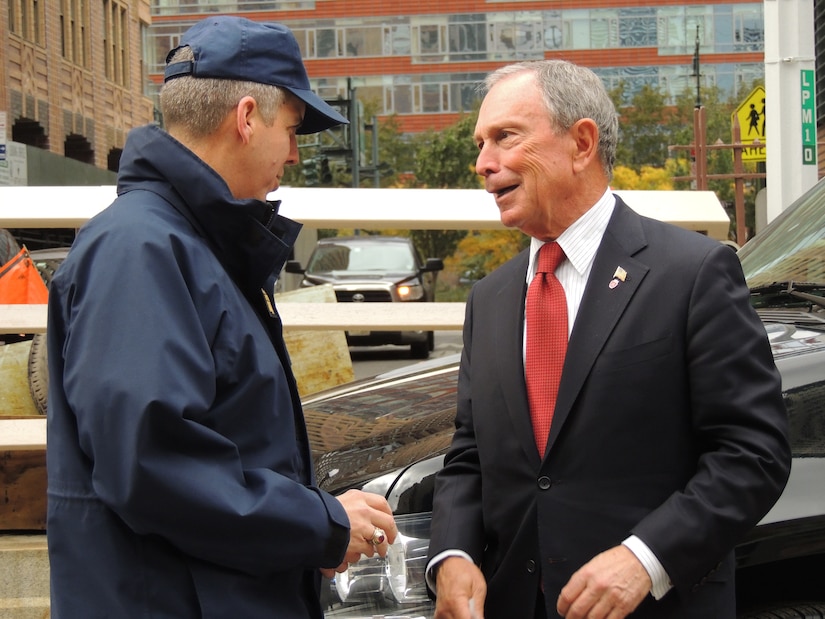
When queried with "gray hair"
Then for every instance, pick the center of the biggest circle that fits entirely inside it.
(199, 105)
(570, 93)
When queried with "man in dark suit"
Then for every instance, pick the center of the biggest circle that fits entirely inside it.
(668, 437)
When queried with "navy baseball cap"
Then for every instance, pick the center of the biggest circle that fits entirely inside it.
(236, 48)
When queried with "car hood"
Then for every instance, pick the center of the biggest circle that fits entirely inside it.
(350, 277)
(793, 332)
(370, 427)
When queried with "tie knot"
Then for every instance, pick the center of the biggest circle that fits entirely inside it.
(550, 256)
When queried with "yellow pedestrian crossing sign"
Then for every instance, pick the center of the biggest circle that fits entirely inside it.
(751, 117)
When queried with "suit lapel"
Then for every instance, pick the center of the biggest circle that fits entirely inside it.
(509, 350)
(602, 306)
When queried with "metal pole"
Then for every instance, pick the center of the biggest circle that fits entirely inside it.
(739, 184)
(354, 134)
(700, 148)
(696, 70)
(375, 172)
(789, 65)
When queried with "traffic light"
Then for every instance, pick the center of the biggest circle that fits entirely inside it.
(324, 171)
(310, 169)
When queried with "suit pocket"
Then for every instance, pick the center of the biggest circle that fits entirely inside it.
(638, 353)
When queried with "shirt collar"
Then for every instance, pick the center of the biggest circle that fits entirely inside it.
(581, 240)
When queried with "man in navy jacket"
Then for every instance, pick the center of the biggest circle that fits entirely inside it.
(180, 478)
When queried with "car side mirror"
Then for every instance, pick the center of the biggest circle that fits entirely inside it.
(434, 264)
(294, 266)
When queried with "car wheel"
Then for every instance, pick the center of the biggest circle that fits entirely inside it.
(420, 350)
(39, 373)
(38, 369)
(431, 340)
(789, 610)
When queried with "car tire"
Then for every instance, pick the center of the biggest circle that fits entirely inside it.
(431, 340)
(789, 610)
(39, 373)
(38, 367)
(420, 350)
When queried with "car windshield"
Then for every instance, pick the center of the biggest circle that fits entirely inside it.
(792, 247)
(361, 257)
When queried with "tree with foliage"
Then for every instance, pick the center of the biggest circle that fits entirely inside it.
(481, 252)
(649, 127)
(647, 178)
(643, 137)
(718, 110)
(445, 159)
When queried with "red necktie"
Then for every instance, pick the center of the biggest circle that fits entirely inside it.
(546, 316)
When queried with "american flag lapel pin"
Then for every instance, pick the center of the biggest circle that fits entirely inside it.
(620, 275)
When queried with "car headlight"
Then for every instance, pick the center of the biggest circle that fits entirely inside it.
(410, 292)
(399, 577)
(406, 565)
(363, 579)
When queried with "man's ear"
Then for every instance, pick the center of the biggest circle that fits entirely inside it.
(244, 114)
(585, 133)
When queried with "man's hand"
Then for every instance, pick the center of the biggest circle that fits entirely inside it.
(367, 512)
(460, 590)
(609, 586)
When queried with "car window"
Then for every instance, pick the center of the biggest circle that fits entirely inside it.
(377, 257)
(792, 247)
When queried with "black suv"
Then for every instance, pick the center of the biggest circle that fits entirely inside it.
(364, 269)
(402, 425)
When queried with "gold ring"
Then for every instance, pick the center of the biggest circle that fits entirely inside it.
(378, 537)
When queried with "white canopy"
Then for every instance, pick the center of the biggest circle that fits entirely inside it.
(435, 209)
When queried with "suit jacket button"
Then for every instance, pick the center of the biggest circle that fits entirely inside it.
(530, 566)
(545, 482)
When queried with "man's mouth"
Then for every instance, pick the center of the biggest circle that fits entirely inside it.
(499, 193)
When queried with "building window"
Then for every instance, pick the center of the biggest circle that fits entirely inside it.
(115, 47)
(467, 37)
(364, 41)
(677, 27)
(637, 27)
(429, 42)
(397, 40)
(577, 29)
(161, 39)
(74, 30)
(748, 29)
(327, 43)
(26, 19)
(515, 36)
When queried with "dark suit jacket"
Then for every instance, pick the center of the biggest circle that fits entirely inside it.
(669, 425)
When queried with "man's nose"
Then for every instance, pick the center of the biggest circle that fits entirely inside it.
(485, 163)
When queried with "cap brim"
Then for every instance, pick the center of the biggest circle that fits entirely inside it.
(318, 115)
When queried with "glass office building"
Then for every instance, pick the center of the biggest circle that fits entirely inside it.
(422, 60)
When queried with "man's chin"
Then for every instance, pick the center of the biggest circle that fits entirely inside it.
(508, 217)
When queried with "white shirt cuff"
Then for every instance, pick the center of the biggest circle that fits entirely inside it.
(658, 575)
(428, 574)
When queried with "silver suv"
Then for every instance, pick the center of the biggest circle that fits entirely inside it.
(364, 269)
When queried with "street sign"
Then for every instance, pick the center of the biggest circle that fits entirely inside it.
(751, 117)
(808, 117)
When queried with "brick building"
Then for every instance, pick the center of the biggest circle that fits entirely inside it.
(72, 77)
(421, 59)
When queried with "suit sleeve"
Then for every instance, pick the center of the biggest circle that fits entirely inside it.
(457, 500)
(739, 423)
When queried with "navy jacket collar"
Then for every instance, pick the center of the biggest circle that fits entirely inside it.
(249, 237)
